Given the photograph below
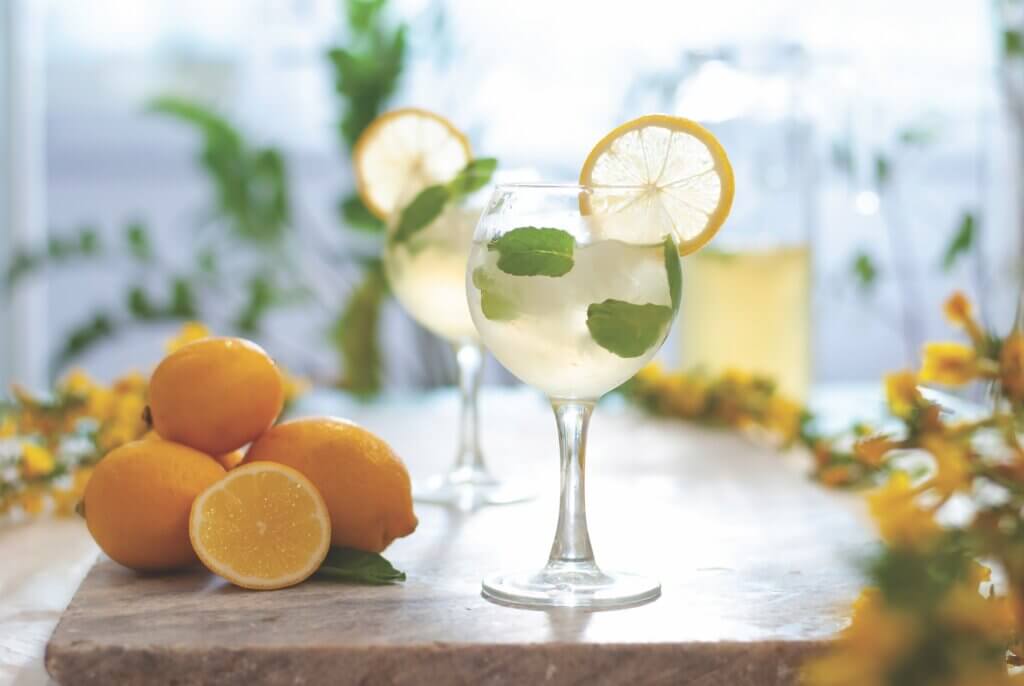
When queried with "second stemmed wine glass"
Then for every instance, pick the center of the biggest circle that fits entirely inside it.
(427, 275)
(573, 289)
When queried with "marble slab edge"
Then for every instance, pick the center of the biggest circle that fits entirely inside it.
(773, 663)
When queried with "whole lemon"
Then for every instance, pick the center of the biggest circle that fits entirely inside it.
(138, 499)
(215, 394)
(365, 485)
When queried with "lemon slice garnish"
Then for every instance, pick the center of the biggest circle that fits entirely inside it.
(679, 176)
(402, 152)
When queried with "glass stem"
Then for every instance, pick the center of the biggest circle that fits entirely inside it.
(572, 542)
(469, 357)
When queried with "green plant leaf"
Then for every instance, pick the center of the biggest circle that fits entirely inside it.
(675, 274)
(355, 333)
(1013, 43)
(532, 251)
(357, 216)
(424, 209)
(494, 305)
(916, 136)
(137, 238)
(883, 170)
(473, 176)
(961, 243)
(864, 271)
(627, 329)
(99, 327)
(356, 566)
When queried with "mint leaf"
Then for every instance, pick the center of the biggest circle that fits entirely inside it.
(675, 274)
(424, 208)
(627, 329)
(473, 176)
(357, 566)
(494, 305)
(530, 251)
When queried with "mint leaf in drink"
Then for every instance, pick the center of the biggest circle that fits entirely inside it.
(424, 208)
(357, 566)
(495, 306)
(627, 329)
(675, 274)
(473, 176)
(532, 251)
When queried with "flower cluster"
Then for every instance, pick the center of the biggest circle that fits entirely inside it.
(932, 615)
(48, 445)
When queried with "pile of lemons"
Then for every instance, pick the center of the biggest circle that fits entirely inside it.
(262, 519)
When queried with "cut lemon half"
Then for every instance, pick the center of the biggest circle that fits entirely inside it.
(263, 526)
(402, 152)
(679, 180)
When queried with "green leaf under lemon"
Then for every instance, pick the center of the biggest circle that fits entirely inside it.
(627, 329)
(533, 251)
(358, 566)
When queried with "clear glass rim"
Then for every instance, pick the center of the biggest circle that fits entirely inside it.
(567, 186)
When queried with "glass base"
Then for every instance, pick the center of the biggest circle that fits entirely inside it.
(467, 489)
(569, 584)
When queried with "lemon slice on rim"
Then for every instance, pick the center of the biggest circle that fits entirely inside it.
(679, 176)
(263, 526)
(402, 152)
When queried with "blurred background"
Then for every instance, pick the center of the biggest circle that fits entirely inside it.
(170, 160)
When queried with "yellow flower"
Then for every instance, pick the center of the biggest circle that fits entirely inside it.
(77, 382)
(8, 427)
(902, 394)
(31, 500)
(958, 309)
(950, 364)
(784, 417)
(836, 475)
(651, 373)
(1011, 366)
(36, 460)
(132, 382)
(872, 450)
(683, 396)
(952, 464)
(900, 521)
(966, 609)
(294, 386)
(189, 332)
(877, 636)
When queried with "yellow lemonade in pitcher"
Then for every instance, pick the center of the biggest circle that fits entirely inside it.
(749, 310)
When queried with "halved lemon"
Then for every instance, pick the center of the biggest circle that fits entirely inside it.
(679, 176)
(402, 152)
(263, 526)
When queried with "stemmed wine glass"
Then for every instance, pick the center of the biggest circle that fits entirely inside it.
(573, 296)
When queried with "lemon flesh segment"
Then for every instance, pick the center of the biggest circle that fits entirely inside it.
(676, 179)
(264, 526)
(402, 152)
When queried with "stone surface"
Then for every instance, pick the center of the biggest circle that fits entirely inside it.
(757, 566)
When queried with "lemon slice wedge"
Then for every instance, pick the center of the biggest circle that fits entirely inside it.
(678, 176)
(263, 526)
(402, 152)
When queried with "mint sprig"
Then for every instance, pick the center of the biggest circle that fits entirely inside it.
(627, 329)
(494, 305)
(533, 251)
(675, 274)
(431, 201)
(349, 565)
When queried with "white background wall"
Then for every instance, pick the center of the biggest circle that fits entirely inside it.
(534, 85)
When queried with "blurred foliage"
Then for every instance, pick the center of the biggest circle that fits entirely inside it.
(865, 271)
(250, 225)
(961, 243)
(356, 332)
(366, 70)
